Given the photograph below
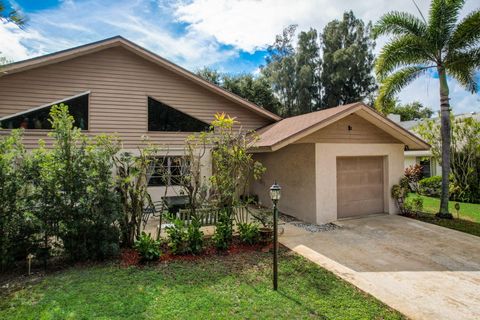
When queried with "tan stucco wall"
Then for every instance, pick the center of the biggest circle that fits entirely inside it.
(293, 168)
(326, 174)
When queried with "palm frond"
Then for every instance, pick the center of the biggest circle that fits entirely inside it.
(462, 66)
(467, 32)
(399, 23)
(443, 16)
(396, 81)
(402, 51)
(465, 77)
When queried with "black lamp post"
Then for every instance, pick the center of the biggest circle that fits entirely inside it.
(275, 196)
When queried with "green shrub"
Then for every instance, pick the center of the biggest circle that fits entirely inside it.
(17, 225)
(194, 237)
(177, 236)
(74, 189)
(249, 233)
(431, 186)
(413, 205)
(147, 247)
(223, 231)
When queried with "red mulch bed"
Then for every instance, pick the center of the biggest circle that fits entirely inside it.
(130, 257)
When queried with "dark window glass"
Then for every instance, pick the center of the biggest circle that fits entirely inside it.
(167, 171)
(39, 119)
(164, 118)
(425, 163)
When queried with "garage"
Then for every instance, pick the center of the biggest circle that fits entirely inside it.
(360, 186)
(333, 164)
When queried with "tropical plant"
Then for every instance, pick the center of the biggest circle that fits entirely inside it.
(465, 155)
(249, 232)
(194, 236)
(133, 173)
(413, 205)
(413, 174)
(441, 43)
(147, 247)
(223, 235)
(177, 235)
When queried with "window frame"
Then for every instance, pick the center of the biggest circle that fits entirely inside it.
(46, 105)
(160, 160)
(207, 125)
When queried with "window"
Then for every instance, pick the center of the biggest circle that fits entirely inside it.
(425, 163)
(167, 171)
(165, 118)
(39, 117)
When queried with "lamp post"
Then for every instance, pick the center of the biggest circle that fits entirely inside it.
(275, 196)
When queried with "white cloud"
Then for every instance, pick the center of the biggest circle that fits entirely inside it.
(253, 24)
(78, 22)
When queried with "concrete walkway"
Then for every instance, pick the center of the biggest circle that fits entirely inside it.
(422, 270)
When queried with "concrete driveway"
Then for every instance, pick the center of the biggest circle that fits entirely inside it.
(422, 270)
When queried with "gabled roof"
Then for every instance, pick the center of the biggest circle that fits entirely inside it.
(119, 41)
(289, 130)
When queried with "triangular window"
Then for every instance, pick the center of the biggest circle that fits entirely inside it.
(162, 117)
(39, 118)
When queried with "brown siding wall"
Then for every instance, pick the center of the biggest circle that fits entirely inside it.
(120, 83)
(362, 132)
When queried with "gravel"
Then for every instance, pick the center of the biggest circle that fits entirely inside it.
(311, 227)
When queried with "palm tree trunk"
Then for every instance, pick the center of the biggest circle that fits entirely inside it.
(445, 133)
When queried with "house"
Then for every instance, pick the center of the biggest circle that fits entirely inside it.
(430, 165)
(336, 163)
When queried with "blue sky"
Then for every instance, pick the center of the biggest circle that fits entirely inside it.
(228, 35)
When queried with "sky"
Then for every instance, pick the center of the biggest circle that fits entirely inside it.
(228, 35)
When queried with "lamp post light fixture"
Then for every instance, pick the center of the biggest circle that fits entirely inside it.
(275, 194)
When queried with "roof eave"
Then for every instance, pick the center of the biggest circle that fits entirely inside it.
(152, 57)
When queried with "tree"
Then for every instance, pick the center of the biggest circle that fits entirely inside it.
(210, 75)
(347, 64)
(133, 174)
(307, 65)
(280, 70)
(411, 111)
(11, 16)
(465, 154)
(256, 90)
(442, 43)
(253, 89)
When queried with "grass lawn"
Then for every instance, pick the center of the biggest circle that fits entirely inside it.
(469, 221)
(220, 287)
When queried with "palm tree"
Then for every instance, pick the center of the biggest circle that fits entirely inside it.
(11, 16)
(442, 43)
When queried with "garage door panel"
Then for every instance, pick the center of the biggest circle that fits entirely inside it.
(359, 186)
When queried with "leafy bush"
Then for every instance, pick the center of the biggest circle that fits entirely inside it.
(413, 174)
(17, 225)
(223, 231)
(431, 186)
(413, 205)
(194, 237)
(177, 236)
(74, 189)
(147, 247)
(249, 233)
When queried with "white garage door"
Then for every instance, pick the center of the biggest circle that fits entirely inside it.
(360, 188)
